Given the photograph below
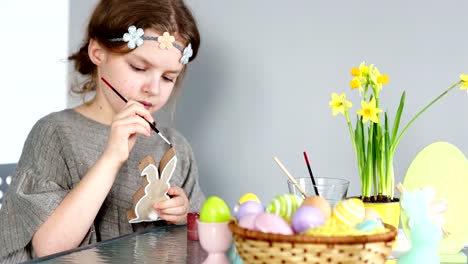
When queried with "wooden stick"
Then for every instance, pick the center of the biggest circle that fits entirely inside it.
(400, 188)
(291, 178)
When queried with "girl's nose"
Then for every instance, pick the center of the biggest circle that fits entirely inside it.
(152, 85)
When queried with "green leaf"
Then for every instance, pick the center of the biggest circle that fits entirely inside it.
(396, 124)
(370, 160)
(360, 146)
(388, 189)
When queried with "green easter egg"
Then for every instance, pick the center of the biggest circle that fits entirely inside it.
(284, 205)
(215, 210)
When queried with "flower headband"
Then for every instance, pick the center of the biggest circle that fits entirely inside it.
(135, 38)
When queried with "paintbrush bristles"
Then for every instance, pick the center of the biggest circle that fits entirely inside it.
(291, 178)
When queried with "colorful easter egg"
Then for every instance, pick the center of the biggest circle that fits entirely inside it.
(248, 221)
(284, 205)
(349, 212)
(319, 202)
(214, 210)
(271, 223)
(248, 207)
(307, 217)
(245, 198)
(249, 197)
(370, 226)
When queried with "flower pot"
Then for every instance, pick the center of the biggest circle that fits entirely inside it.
(390, 212)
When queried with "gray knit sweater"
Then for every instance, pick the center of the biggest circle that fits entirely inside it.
(58, 152)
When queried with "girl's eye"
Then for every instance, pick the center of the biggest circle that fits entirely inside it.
(135, 68)
(168, 79)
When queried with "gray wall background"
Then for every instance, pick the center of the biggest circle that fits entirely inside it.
(266, 70)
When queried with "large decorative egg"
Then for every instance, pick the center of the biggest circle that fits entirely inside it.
(271, 223)
(248, 207)
(284, 205)
(245, 198)
(214, 210)
(349, 212)
(307, 217)
(321, 203)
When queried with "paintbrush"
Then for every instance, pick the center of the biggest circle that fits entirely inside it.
(291, 178)
(125, 100)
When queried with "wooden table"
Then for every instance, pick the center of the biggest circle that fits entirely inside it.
(167, 244)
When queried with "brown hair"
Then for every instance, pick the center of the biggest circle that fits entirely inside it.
(111, 19)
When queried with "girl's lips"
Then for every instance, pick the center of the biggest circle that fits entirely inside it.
(147, 105)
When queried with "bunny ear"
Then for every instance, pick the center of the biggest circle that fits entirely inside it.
(145, 162)
(170, 153)
(167, 165)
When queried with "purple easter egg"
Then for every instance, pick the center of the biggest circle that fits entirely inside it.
(271, 223)
(249, 207)
(307, 217)
(248, 221)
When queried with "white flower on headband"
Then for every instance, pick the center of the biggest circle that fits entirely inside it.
(186, 54)
(134, 37)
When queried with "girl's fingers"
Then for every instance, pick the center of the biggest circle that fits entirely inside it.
(133, 108)
(175, 219)
(131, 120)
(175, 209)
(176, 191)
(180, 210)
(132, 124)
(176, 201)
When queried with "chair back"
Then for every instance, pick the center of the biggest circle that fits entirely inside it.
(6, 173)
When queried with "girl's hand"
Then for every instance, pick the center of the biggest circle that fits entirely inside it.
(126, 124)
(175, 209)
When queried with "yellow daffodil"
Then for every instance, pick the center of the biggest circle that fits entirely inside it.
(356, 83)
(364, 69)
(378, 78)
(369, 111)
(382, 79)
(339, 104)
(464, 78)
(361, 75)
(375, 142)
(355, 72)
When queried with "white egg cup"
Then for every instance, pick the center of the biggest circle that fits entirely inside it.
(215, 239)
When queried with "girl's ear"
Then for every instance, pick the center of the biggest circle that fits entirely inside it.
(97, 53)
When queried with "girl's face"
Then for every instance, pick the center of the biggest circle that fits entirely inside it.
(147, 75)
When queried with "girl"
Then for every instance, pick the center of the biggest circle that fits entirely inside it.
(79, 167)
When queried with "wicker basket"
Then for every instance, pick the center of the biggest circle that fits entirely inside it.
(259, 247)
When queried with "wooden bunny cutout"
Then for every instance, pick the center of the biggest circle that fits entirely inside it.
(154, 189)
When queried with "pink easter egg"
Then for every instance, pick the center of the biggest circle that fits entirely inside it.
(307, 217)
(271, 223)
(248, 221)
(249, 207)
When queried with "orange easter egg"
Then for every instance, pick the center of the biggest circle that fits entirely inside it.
(320, 203)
